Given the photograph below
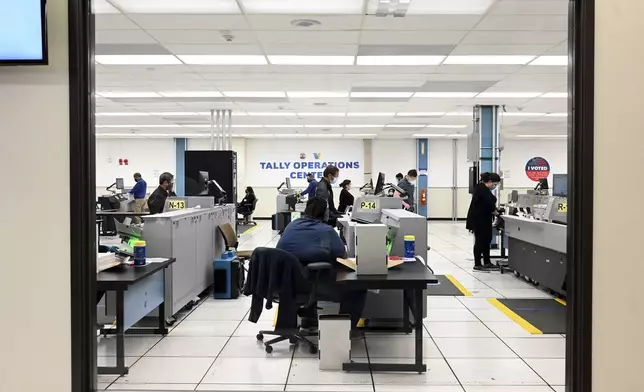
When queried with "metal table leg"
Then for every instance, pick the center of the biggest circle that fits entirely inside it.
(120, 367)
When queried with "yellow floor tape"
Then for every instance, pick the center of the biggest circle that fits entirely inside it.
(459, 286)
(561, 301)
(515, 317)
(250, 229)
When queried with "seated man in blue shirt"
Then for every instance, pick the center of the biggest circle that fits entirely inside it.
(310, 190)
(311, 240)
(138, 192)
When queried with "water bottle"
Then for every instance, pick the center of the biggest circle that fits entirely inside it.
(410, 246)
(139, 253)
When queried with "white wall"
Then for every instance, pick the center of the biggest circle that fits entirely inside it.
(392, 157)
(150, 157)
(517, 152)
(35, 337)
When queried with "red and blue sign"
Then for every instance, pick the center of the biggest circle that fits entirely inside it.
(537, 168)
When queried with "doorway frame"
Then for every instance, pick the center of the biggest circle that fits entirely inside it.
(83, 193)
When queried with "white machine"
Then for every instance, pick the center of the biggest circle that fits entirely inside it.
(286, 198)
(371, 249)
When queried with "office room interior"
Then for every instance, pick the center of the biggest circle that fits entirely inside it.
(185, 135)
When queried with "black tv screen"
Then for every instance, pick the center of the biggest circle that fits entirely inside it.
(23, 32)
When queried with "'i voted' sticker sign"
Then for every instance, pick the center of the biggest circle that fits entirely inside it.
(537, 168)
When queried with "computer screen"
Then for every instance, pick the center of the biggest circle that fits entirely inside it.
(119, 184)
(380, 183)
(560, 185)
(542, 185)
(288, 183)
(204, 177)
(23, 32)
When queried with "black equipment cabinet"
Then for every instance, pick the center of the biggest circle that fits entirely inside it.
(221, 167)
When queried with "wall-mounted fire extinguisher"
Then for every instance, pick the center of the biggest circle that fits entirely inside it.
(423, 197)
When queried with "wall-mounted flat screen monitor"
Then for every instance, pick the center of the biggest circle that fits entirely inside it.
(23, 32)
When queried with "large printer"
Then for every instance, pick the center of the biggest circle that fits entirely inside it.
(536, 228)
(287, 197)
(191, 236)
(117, 201)
(385, 306)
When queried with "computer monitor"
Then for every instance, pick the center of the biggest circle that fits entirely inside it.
(288, 183)
(380, 183)
(560, 185)
(542, 185)
(215, 190)
(204, 177)
(119, 184)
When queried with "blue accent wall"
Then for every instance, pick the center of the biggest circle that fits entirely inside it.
(422, 157)
(180, 181)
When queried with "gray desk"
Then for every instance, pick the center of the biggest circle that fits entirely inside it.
(412, 279)
(139, 290)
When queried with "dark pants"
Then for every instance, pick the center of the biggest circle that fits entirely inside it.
(482, 241)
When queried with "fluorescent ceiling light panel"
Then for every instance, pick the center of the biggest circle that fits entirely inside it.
(128, 59)
(117, 94)
(543, 136)
(311, 60)
(447, 126)
(255, 94)
(446, 7)
(464, 114)
(557, 115)
(551, 60)
(170, 114)
(399, 60)
(284, 126)
(381, 94)
(191, 94)
(132, 114)
(522, 114)
(317, 94)
(322, 114)
(430, 94)
(419, 114)
(324, 126)
(235, 114)
(308, 7)
(554, 95)
(508, 95)
(140, 126)
(430, 135)
(223, 59)
(258, 136)
(365, 126)
(246, 126)
(360, 135)
(291, 135)
(488, 60)
(150, 135)
(272, 114)
(375, 114)
(405, 126)
(198, 126)
(178, 6)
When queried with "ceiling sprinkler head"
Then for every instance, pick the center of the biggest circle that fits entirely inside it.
(305, 22)
(320, 104)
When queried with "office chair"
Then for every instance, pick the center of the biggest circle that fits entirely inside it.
(247, 214)
(305, 284)
(230, 239)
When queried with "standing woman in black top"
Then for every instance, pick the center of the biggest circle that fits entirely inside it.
(480, 218)
(346, 198)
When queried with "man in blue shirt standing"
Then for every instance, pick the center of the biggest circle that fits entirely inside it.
(138, 192)
(310, 190)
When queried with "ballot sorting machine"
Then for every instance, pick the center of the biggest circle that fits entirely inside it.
(536, 228)
(385, 307)
(192, 237)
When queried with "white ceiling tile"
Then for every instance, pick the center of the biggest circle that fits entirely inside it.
(514, 37)
(123, 37)
(484, 69)
(201, 36)
(284, 22)
(308, 37)
(101, 7)
(523, 22)
(530, 7)
(559, 50)
(114, 22)
(427, 22)
(177, 7)
(219, 49)
(543, 69)
(464, 7)
(190, 22)
(310, 50)
(469, 77)
(411, 37)
(336, 7)
(534, 50)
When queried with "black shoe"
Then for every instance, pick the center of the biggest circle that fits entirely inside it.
(480, 268)
(491, 267)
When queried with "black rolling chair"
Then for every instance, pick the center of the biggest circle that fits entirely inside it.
(268, 279)
(247, 213)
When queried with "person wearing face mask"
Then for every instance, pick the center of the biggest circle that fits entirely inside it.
(310, 190)
(156, 201)
(324, 191)
(480, 217)
(346, 198)
(407, 184)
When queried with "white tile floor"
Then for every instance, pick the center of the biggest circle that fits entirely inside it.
(470, 346)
